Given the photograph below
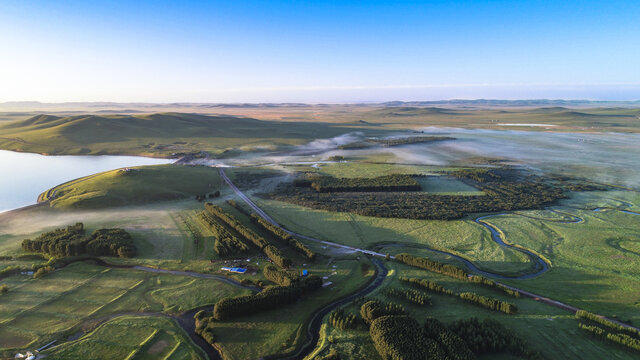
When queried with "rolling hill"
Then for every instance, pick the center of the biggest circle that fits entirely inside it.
(160, 134)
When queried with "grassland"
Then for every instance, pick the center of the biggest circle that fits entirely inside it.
(135, 186)
(36, 311)
(595, 263)
(161, 134)
(131, 337)
(463, 237)
(552, 332)
(220, 129)
(279, 331)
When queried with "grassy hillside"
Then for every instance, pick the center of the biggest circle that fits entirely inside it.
(139, 185)
(162, 134)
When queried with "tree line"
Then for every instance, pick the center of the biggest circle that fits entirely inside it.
(72, 241)
(427, 284)
(283, 236)
(270, 298)
(267, 248)
(394, 182)
(453, 271)
(489, 337)
(374, 309)
(411, 295)
(504, 189)
(236, 225)
(487, 302)
(278, 276)
(583, 314)
(225, 243)
(433, 266)
(619, 338)
(393, 142)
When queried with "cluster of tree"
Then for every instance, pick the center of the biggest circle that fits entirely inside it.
(395, 182)
(204, 326)
(225, 243)
(336, 158)
(283, 236)
(434, 266)
(374, 309)
(270, 298)
(427, 284)
(411, 295)
(4, 288)
(72, 241)
(212, 195)
(67, 241)
(489, 303)
(111, 242)
(583, 314)
(344, 321)
(503, 191)
(619, 338)
(280, 277)
(401, 337)
(489, 337)
(455, 347)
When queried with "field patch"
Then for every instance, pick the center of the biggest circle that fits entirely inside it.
(139, 337)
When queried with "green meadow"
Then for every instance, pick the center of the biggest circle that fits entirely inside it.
(134, 186)
(35, 311)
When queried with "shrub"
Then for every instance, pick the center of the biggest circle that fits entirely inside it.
(374, 309)
(43, 271)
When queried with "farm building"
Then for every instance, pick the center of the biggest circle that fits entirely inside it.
(235, 270)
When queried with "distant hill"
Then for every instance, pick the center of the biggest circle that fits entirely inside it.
(160, 134)
(515, 103)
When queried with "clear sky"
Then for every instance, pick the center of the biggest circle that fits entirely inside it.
(318, 51)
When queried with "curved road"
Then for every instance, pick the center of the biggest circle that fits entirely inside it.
(313, 329)
(531, 295)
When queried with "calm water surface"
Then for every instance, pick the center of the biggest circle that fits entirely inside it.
(23, 176)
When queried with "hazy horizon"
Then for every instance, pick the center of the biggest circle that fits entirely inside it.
(318, 52)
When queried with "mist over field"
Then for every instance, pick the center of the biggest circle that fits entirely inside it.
(610, 157)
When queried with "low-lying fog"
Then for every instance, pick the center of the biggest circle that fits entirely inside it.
(604, 157)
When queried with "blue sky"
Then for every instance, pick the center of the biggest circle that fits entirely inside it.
(318, 51)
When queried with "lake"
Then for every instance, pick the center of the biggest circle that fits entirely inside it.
(23, 176)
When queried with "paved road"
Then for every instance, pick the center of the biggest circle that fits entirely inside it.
(265, 216)
(531, 295)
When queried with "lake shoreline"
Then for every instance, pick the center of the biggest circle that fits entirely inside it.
(33, 174)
